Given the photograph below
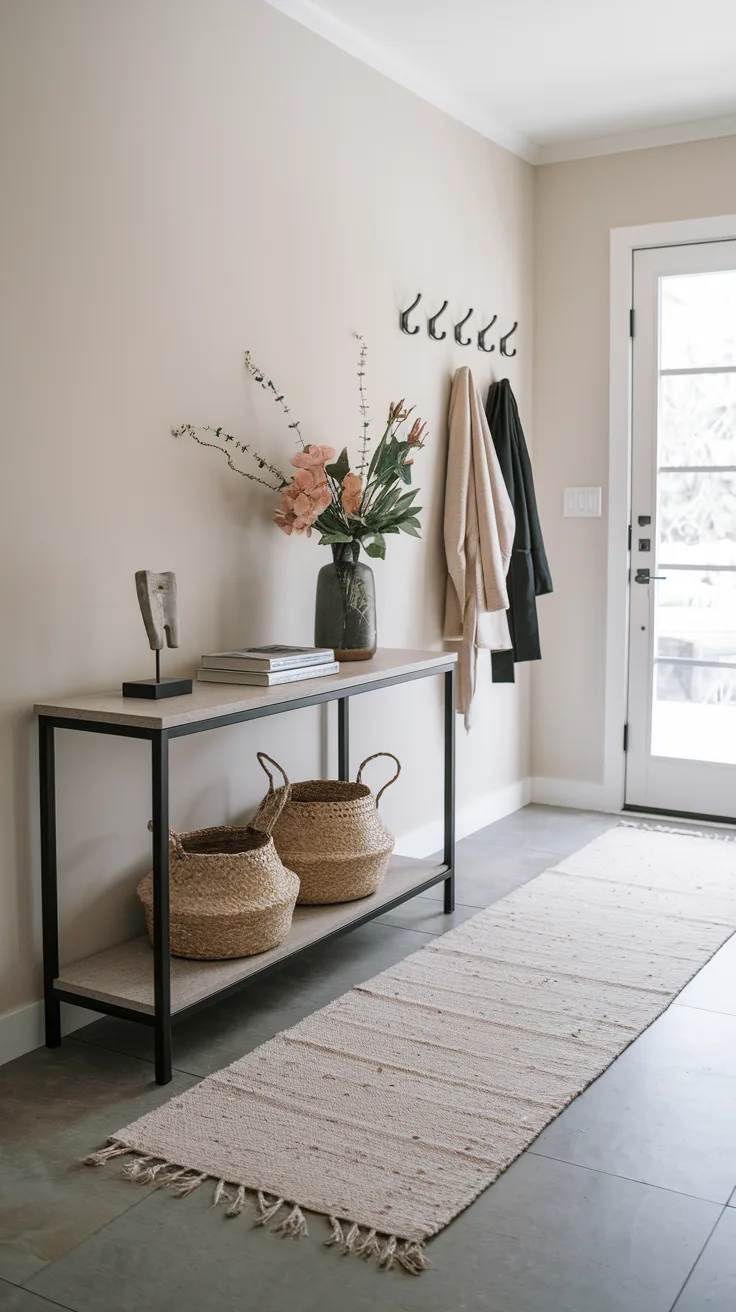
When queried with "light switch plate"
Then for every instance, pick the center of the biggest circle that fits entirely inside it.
(582, 502)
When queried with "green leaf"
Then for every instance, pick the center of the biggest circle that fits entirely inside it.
(410, 529)
(388, 461)
(386, 500)
(377, 547)
(377, 454)
(340, 467)
(405, 473)
(397, 516)
(328, 538)
(331, 519)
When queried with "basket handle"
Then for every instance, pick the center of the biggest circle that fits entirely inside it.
(374, 757)
(175, 844)
(271, 807)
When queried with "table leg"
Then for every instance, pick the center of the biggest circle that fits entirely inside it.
(161, 957)
(343, 738)
(49, 878)
(449, 847)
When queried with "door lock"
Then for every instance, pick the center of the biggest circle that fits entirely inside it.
(645, 576)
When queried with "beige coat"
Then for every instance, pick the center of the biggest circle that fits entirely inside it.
(479, 533)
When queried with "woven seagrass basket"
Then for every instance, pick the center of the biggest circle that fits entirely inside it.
(230, 894)
(329, 831)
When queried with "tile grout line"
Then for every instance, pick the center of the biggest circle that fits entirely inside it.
(685, 1282)
(133, 1204)
(149, 1191)
(52, 1302)
(712, 1011)
(177, 1070)
(632, 1179)
(90, 1043)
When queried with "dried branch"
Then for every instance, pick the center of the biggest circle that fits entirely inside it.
(240, 446)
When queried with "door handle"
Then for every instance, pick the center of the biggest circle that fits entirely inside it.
(645, 576)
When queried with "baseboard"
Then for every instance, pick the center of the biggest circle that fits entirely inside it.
(469, 819)
(22, 1030)
(577, 793)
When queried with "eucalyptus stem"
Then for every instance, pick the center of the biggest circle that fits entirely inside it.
(363, 405)
(278, 397)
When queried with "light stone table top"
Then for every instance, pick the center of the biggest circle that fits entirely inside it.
(209, 701)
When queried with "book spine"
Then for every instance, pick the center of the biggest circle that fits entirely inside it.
(252, 663)
(314, 672)
(264, 679)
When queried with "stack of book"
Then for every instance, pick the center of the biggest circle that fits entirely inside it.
(268, 666)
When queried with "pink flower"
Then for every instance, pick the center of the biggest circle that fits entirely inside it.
(285, 522)
(308, 479)
(313, 456)
(352, 493)
(304, 499)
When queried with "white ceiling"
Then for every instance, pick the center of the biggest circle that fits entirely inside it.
(551, 79)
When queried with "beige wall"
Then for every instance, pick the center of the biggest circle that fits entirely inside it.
(182, 179)
(576, 205)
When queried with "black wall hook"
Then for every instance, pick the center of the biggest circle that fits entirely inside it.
(482, 336)
(404, 320)
(504, 340)
(437, 336)
(461, 341)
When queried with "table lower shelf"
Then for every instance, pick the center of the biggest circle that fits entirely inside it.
(123, 976)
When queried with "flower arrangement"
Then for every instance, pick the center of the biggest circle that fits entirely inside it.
(352, 508)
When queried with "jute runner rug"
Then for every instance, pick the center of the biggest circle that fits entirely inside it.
(392, 1108)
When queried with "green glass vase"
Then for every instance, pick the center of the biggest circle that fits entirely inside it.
(345, 610)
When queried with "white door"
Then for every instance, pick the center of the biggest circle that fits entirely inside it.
(681, 753)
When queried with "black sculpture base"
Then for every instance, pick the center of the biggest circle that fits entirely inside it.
(156, 689)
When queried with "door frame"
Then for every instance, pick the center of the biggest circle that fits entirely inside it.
(624, 242)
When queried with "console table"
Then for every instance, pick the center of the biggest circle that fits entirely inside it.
(150, 987)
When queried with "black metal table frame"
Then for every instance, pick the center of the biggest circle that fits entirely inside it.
(161, 1018)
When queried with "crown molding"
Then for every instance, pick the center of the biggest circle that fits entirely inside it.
(384, 61)
(444, 97)
(671, 134)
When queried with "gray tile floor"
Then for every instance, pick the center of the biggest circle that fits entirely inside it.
(626, 1203)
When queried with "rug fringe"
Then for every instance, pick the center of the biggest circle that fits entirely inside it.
(347, 1236)
(337, 1236)
(266, 1210)
(238, 1204)
(411, 1256)
(220, 1193)
(388, 1256)
(294, 1226)
(676, 829)
(113, 1149)
(138, 1168)
(370, 1247)
(350, 1240)
(187, 1186)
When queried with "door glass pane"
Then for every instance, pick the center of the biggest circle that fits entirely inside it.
(697, 518)
(698, 320)
(694, 713)
(696, 616)
(697, 419)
